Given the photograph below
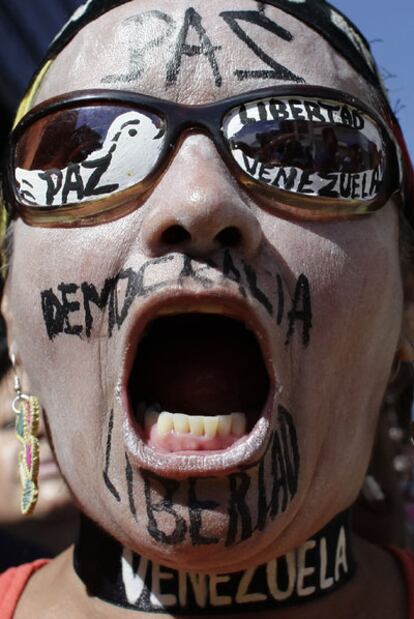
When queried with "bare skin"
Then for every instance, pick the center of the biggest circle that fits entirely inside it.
(347, 263)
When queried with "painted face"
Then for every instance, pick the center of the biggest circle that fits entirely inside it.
(212, 370)
(54, 496)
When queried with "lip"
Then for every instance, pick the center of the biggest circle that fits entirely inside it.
(196, 464)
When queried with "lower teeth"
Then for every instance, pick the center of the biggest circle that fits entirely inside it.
(233, 424)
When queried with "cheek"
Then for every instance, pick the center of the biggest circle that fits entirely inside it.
(46, 301)
(65, 371)
(355, 287)
(357, 309)
(337, 383)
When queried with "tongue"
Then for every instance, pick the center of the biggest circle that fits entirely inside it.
(200, 364)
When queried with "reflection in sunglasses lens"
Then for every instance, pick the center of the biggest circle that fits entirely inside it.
(86, 153)
(341, 157)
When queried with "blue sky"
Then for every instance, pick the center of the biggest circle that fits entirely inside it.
(390, 28)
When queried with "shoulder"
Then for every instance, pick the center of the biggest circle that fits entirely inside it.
(53, 592)
(12, 585)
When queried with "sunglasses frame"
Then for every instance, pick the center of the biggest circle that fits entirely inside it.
(183, 119)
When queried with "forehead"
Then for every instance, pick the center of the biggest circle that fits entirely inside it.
(195, 52)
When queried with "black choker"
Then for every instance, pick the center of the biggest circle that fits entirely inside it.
(317, 568)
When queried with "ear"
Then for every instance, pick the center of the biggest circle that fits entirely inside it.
(406, 346)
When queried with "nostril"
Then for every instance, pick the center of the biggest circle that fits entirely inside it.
(229, 237)
(175, 235)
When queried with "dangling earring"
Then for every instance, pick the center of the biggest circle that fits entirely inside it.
(27, 410)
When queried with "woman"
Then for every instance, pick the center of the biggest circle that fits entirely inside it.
(210, 335)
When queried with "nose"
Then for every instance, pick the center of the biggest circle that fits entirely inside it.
(197, 208)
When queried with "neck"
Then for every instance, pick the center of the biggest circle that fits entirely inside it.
(320, 566)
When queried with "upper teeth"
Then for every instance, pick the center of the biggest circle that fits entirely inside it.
(197, 425)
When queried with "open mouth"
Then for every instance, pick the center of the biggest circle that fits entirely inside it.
(198, 382)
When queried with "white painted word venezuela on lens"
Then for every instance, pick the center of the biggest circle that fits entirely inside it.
(309, 570)
(310, 147)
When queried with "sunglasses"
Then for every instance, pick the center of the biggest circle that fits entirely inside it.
(95, 155)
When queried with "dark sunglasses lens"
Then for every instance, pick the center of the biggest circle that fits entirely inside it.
(85, 153)
(308, 147)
